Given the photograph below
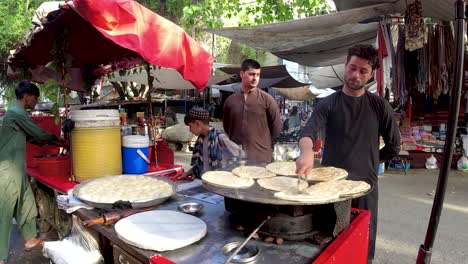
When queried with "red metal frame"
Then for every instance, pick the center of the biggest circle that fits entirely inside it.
(351, 246)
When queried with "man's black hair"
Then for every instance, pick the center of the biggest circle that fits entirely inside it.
(367, 52)
(26, 87)
(250, 64)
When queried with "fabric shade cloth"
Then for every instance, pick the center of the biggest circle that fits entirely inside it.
(104, 36)
(270, 76)
(323, 40)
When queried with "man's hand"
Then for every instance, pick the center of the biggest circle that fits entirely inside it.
(305, 162)
(60, 142)
(185, 176)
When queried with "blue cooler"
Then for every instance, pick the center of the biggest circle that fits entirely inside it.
(134, 151)
(381, 169)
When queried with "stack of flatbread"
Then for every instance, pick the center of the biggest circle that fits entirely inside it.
(227, 179)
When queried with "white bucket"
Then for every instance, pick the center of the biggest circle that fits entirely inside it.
(95, 118)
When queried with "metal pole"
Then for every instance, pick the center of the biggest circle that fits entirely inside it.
(425, 250)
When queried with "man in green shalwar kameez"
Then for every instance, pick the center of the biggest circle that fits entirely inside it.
(16, 197)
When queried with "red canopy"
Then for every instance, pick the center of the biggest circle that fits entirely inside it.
(117, 33)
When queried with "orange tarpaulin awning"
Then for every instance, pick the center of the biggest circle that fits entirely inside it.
(104, 36)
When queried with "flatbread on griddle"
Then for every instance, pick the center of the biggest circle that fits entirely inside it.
(281, 183)
(286, 168)
(324, 174)
(341, 187)
(252, 172)
(226, 179)
(316, 197)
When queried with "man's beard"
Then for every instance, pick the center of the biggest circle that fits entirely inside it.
(354, 85)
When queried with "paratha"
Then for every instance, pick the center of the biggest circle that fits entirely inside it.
(323, 174)
(315, 197)
(281, 184)
(285, 168)
(288, 168)
(252, 172)
(341, 187)
(226, 179)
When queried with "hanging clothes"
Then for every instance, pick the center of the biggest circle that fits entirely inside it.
(437, 76)
(415, 29)
(422, 70)
(441, 48)
(391, 47)
(382, 54)
(399, 91)
(450, 53)
(434, 87)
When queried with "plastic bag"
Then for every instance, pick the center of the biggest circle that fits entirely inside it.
(462, 164)
(431, 162)
(178, 133)
(81, 247)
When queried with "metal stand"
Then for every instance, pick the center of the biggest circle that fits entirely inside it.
(424, 254)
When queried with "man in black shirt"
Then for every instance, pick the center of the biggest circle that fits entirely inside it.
(353, 120)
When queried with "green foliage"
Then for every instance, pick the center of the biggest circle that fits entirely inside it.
(194, 15)
(15, 20)
(214, 13)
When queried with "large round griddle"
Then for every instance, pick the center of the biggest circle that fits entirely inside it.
(257, 194)
(152, 201)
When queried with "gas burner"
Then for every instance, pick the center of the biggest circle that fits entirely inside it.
(316, 223)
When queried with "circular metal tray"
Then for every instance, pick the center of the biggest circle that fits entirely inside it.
(135, 204)
(257, 194)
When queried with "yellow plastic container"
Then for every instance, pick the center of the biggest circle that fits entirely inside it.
(95, 144)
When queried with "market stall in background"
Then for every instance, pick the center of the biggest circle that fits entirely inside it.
(99, 213)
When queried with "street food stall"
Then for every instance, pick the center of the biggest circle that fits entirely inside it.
(199, 221)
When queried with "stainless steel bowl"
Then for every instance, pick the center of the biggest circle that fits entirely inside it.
(247, 254)
(190, 208)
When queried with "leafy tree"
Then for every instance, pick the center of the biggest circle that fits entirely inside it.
(219, 13)
(193, 15)
(14, 22)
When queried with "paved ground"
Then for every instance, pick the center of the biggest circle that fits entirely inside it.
(405, 206)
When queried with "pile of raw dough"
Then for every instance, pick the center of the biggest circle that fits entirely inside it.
(131, 188)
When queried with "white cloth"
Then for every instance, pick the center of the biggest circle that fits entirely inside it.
(69, 203)
(67, 252)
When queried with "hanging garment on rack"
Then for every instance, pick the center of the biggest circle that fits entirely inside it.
(450, 53)
(400, 92)
(382, 54)
(415, 29)
(391, 47)
(433, 85)
(411, 72)
(437, 80)
(422, 70)
(441, 49)
(389, 60)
